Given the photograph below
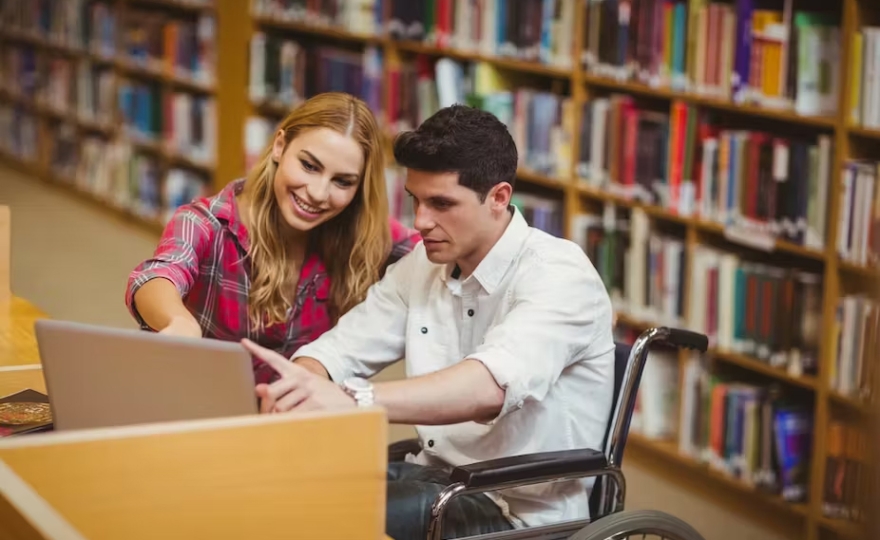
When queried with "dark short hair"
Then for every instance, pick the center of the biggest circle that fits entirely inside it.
(465, 140)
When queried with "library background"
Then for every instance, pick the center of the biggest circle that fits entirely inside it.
(717, 160)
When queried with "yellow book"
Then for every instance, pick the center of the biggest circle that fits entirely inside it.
(855, 83)
(488, 79)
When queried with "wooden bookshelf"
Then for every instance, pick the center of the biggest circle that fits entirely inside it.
(578, 194)
(236, 24)
(112, 57)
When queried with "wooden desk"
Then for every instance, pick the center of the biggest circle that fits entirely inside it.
(18, 346)
(19, 356)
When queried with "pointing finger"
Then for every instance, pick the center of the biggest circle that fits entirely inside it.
(275, 360)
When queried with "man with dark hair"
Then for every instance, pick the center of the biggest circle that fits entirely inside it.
(505, 331)
(473, 143)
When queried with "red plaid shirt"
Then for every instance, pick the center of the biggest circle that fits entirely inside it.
(203, 252)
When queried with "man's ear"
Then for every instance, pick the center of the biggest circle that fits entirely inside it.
(499, 196)
(278, 146)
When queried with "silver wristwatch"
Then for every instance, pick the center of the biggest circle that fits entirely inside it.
(360, 389)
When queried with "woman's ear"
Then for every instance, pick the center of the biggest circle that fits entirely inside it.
(278, 146)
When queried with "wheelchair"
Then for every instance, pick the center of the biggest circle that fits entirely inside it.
(609, 520)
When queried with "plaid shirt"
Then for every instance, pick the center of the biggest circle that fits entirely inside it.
(203, 252)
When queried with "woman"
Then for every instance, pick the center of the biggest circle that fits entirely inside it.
(279, 256)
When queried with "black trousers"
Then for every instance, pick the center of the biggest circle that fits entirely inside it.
(412, 490)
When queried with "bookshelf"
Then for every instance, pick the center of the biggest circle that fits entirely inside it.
(680, 101)
(113, 100)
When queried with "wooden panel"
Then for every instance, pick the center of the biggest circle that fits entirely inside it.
(17, 378)
(5, 254)
(18, 346)
(233, 32)
(24, 515)
(316, 476)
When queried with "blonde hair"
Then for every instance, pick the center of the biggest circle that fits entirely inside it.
(352, 245)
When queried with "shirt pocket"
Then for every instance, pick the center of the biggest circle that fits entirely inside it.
(428, 341)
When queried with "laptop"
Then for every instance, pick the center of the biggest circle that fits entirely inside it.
(104, 377)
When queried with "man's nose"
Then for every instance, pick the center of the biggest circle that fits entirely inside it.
(423, 220)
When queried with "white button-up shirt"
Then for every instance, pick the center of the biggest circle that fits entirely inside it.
(536, 314)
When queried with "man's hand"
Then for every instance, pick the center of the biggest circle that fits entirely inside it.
(298, 389)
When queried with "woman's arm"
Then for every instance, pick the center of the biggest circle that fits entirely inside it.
(156, 288)
(160, 306)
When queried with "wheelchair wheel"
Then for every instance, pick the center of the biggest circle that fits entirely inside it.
(647, 524)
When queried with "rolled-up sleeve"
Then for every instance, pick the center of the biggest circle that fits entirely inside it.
(559, 308)
(370, 336)
(176, 258)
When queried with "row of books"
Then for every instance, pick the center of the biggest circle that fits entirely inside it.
(357, 16)
(864, 83)
(184, 123)
(535, 117)
(754, 433)
(783, 58)
(111, 170)
(121, 175)
(529, 30)
(745, 306)
(77, 24)
(751, 432)
(858, 233)
(19, 133)
(684, 159)
(655, 412)
(642, 269)
(284, 72)
(856, 328)
(60, 83)
(182, 47)
(846, 471)
(688, 163)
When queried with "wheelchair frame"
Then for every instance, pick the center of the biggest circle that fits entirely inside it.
(516, 471)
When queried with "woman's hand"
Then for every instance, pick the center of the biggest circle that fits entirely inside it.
(182, 327)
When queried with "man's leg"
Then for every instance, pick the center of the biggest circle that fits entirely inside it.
(412, 489)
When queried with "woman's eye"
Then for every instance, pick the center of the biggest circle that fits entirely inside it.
(308, 166)
(344, 183)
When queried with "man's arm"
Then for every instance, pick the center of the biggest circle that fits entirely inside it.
(460, 393)
(370, 336)
(520, 359)
(313, 365)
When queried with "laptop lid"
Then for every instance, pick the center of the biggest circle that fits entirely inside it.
(102, 377)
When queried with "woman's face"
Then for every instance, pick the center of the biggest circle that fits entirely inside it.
(318, 175)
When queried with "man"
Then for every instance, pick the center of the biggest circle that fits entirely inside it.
(506, 332)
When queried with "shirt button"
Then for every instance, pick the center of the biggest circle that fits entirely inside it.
(424, 330)
(470, 313)
(430, 443)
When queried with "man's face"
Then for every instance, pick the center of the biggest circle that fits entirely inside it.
(452, 220)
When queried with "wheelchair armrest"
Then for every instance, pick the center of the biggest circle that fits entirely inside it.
(528, 468)
(398, 451)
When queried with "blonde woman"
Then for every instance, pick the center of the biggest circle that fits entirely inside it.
(279, 256)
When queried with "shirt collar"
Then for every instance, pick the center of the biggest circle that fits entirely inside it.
(496, 263)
